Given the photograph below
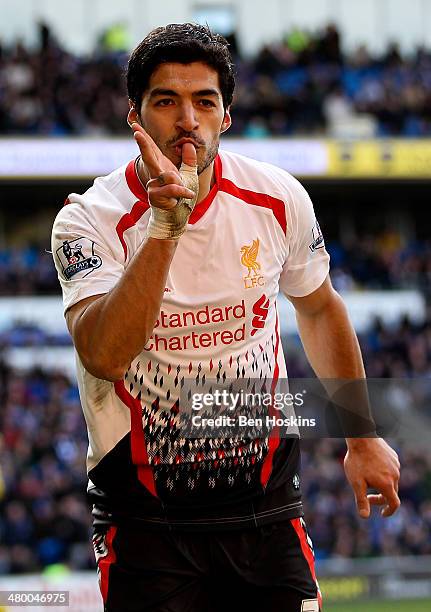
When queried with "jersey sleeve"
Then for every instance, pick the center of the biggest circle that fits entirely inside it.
(307, 262)
(85, 263)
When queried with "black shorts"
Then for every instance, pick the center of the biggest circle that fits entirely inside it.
(268, 568)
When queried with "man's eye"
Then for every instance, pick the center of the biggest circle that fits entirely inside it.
(208, 103)
(164, 102)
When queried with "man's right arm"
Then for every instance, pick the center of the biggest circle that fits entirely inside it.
(110, 330)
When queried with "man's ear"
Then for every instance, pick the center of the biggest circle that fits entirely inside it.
(227, 121)
(132, 115)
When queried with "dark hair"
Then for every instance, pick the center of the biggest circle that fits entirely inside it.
(183, 43)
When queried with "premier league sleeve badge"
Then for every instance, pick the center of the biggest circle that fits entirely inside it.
(78, 257)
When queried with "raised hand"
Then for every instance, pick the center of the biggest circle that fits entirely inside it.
(165, 186)
(172, 193)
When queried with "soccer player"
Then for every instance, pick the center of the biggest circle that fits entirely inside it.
(182, 254)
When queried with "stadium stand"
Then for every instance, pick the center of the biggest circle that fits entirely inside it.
(304, 84)
(44, 518)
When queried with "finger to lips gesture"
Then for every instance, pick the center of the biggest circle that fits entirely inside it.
(165, 186)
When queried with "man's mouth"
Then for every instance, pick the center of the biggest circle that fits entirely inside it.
(182, 141)
(177, 145)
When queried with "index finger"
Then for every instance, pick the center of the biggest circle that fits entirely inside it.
(149, 150)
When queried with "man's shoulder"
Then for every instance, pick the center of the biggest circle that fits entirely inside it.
(108, 197)
(107, 191)
(258, 176)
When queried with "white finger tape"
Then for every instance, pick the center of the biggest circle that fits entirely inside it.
(172, 223)
(310, 605)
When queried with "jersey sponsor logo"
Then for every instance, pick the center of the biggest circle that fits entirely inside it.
(78, 256)
(249, 254)
(189, 319)
(204, 316)
(318, 241)
(310, 605)
(296, 482)
(260, 311)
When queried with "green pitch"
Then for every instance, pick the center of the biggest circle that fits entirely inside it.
(407, 605)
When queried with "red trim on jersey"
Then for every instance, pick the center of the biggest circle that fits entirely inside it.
(105, 562)
(137, 438)
(201, 208)
(129, 220)
(257, 199)
(274, 438)
(307, 552)
(133, 182)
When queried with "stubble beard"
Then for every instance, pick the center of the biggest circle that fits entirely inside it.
(211, 154)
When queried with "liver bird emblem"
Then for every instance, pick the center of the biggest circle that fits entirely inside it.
(249, 256)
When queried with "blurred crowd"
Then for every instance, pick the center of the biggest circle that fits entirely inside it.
(331, 514)
(27, 270)
(44, 517)
(52, 92)
(304, 84)
(398, 351)
(43, 443)
(380, 261)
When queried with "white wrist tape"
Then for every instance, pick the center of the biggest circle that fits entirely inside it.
(172, 223)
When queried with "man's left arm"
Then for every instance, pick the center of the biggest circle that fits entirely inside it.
(333, 351)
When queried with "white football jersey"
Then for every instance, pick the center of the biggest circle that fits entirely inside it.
(254, 235)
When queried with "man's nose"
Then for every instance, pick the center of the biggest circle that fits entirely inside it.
(187, 120)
